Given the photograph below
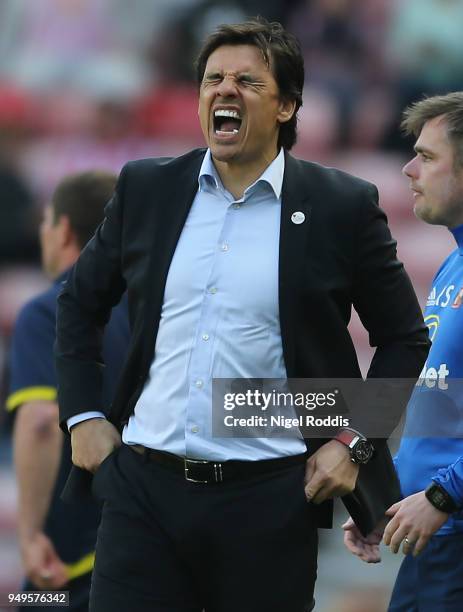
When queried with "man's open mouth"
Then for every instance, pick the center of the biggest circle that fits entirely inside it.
(226, 122)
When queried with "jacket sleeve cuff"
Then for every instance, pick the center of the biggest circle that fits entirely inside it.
(451, 479)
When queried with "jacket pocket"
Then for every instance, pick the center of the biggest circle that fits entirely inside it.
(99, 476)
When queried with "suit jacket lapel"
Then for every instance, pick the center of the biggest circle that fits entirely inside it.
(175, 196)
(293, 251)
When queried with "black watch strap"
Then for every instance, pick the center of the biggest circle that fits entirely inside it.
(440, 498)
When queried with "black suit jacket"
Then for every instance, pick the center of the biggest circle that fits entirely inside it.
(342, 255)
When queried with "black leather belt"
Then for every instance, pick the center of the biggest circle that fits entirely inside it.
(207, 472)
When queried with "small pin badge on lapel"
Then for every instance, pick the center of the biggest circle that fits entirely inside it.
(298, 217)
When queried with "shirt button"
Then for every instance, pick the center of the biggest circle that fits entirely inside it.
(224, 247)
(195, 429)
(236, 206)
(213, 290)
(199, 383)
(205, 336)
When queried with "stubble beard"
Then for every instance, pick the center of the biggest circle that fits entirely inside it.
(449, 215)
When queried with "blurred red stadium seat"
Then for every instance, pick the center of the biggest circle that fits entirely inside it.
(170, 111)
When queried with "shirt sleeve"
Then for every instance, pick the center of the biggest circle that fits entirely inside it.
(32, 373)
(451, 478)
(84, 416)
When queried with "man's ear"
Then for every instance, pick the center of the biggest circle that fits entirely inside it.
(286, 110)
(67, 234)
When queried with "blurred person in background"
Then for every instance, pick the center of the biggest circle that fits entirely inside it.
(85, 46)
(424, 54)
(18, 217)
(190, 520)
(426, 45)
(342, 42)
(428, 521)
(57, 541)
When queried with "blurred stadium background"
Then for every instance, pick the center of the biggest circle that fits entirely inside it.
(90, 84)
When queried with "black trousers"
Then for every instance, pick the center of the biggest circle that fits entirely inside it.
(168, 545)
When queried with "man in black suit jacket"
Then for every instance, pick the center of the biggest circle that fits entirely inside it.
(230, 529)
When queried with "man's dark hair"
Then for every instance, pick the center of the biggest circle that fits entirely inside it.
(82, 198)
(450, 107)
(282, 54)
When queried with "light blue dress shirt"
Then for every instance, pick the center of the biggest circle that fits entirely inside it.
(219, 319)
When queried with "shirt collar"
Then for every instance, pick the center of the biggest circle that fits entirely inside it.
(272, 175)
(458, 235)
(61, 277)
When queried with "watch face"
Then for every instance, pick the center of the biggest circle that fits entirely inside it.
(362, 452)
(438, 498)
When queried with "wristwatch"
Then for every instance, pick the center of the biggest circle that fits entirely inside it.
(440, 499)
(361, 450)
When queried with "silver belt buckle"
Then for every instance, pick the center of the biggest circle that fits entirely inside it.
(196, 461)
(218, 477)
